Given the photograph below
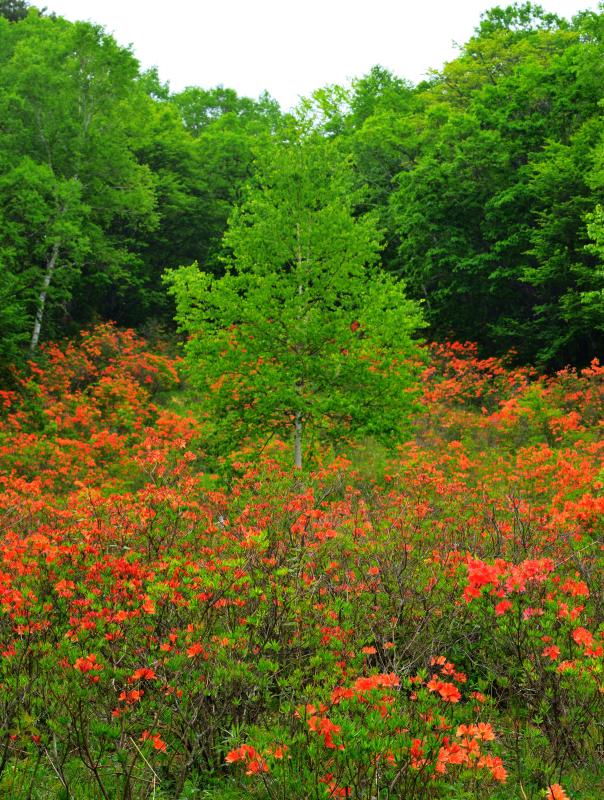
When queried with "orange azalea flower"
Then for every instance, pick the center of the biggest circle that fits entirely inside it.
(131, 697)
(249, 756)
(502, 607)
(144, 674)
(157, 741)
(195, 650)
(87, 663)
(485, 732)
(448, 691)
(583, 636)
(556, 792)
(148, 606)
(341, 693)
(325, 728)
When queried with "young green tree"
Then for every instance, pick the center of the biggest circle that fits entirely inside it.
(302, 335)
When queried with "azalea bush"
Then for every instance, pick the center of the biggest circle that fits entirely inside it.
(436, 633)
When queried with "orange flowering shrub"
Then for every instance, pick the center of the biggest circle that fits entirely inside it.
(435, 634)
(84, 409)
(412, 743)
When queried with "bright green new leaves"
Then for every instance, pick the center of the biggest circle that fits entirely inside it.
(302, 334)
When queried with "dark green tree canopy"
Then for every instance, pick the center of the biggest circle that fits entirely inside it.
(492, 214)
(14, 10)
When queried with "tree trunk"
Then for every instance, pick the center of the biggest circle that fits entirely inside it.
(51, 265)
(298, 440)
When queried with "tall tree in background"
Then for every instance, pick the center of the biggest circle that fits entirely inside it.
(382, 135)
(302, 337)
(491, 217)
(74, 196)
(227, 130)
(199, 145)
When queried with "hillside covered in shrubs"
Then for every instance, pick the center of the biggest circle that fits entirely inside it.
(419, 624)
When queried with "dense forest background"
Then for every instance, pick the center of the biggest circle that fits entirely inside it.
(487, 180)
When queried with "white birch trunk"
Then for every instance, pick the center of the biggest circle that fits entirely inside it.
(51, 265)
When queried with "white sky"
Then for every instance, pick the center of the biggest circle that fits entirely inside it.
(289, 47)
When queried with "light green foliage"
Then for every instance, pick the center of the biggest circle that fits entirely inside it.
(200, 108)
(302, 328)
